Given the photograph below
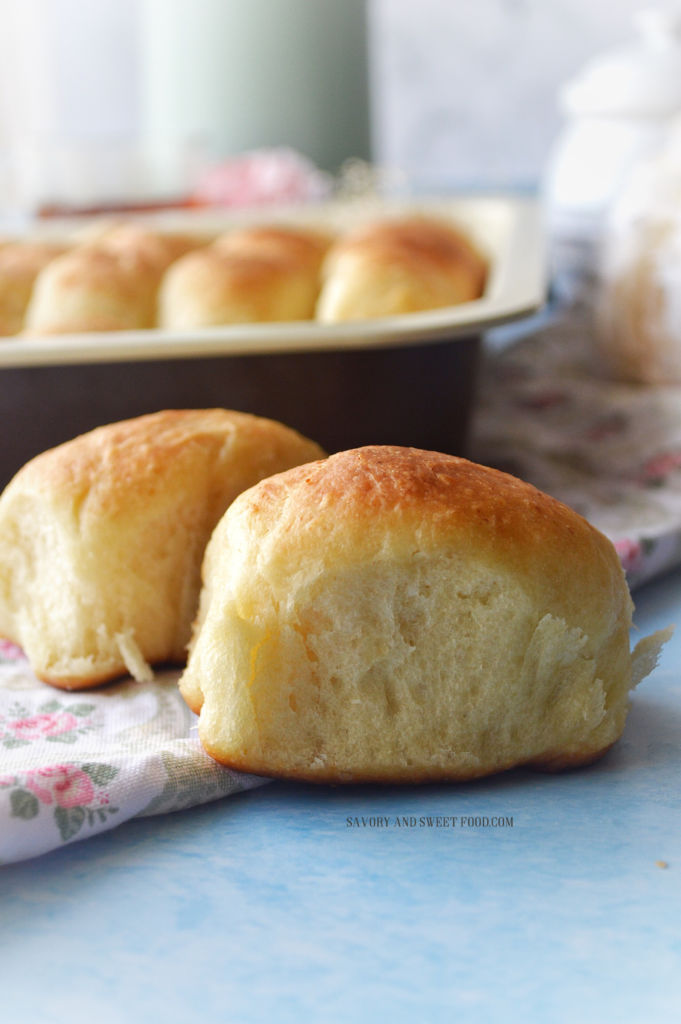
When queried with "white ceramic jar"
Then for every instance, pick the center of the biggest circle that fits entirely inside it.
(618, 110)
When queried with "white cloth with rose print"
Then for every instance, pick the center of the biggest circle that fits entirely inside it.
(75, 764)
(612, 451)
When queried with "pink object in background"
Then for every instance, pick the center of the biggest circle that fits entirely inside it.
(260, 177)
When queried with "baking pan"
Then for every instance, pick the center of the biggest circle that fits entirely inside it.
(396, 380)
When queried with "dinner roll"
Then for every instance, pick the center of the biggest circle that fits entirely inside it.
(108, 283)
(403, 265)
(93, 288)
(397, 615)
(230, 284)
(20, 264)
(101, 538)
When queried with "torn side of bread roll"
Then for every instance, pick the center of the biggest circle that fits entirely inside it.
(20, 264)
(101, 538)
(400, 265)
(396, 615)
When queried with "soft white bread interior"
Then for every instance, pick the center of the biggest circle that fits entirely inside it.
(401, 265)
(396, 615)
(101, 538)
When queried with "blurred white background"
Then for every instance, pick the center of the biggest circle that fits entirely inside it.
(467, 92)
(463, 94)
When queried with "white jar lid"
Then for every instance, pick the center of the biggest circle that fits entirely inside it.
(641, 80)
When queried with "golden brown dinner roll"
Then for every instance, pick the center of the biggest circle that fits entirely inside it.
(217, 286)
(93, 288)
(20, 264)
(399, 615)
(107, 283)
(101, 539)
(402, 265)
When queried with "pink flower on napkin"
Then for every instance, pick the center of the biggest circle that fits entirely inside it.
(35, 726)
(261, 177)
(10, 651)
(63, 784)
(659, 467)
(630, 552)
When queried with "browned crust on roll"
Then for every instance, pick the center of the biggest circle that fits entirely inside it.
(101, 538)
(439, 492)
(399, 266)
(415, 239)
(217, 286)
(396, 615)
(305, 247)
(93, 288)
(112, 465)
(108, 282)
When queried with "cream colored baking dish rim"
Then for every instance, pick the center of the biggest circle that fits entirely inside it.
(508, 229)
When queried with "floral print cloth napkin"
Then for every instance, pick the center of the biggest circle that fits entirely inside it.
(612, 451)
(75, 764)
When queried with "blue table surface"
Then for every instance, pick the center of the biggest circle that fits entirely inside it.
(291, 903)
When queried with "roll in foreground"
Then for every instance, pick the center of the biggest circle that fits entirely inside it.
(390, 614)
